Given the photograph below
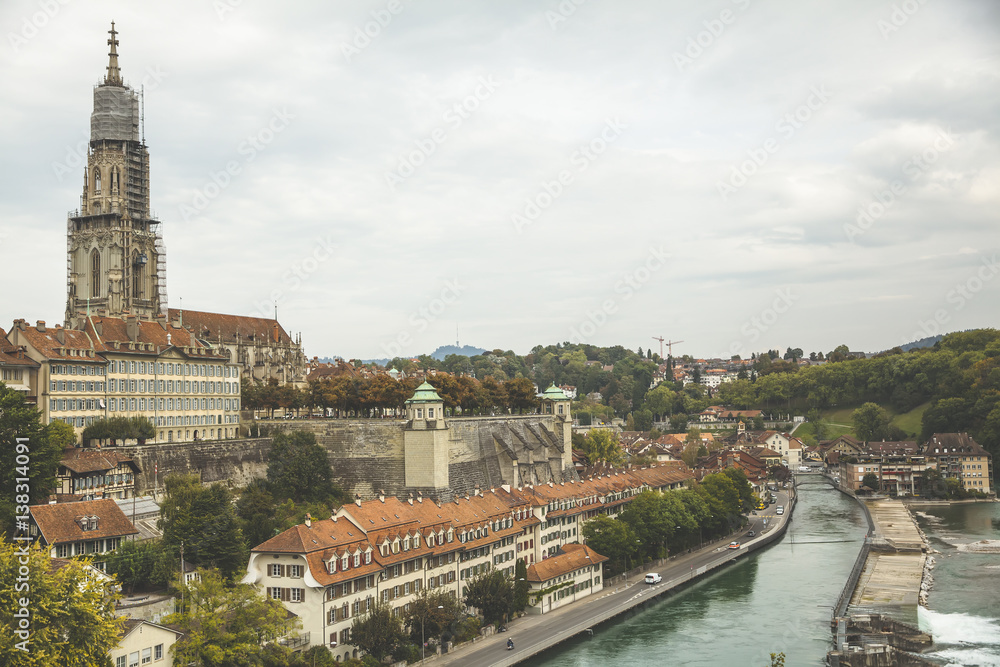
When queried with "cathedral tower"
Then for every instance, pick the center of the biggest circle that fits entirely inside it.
(115, 254)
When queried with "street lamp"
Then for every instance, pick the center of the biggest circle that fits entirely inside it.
(423, 642)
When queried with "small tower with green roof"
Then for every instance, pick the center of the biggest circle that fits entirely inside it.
(425, 441)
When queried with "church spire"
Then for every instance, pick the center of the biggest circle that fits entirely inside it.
(114, 76)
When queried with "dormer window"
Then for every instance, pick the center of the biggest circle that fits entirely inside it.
(357, 560)
(416, 541)
(331, 567)
(368, 557)
(344, 563)
(384, 549)
(430, 540)
(406, 544)
(395, 546)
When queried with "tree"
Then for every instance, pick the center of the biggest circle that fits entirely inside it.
(520, 394)
(377, 632)
(520, 586)
(71, 611)
(256, 509)
(492, 593)
(600, 444)
(147, 564)
(226, 625)
(432, 616)
(870, 480)
(611, 538)
(298, 468)
(205, 520)
(26, 450)
(61, 435)
(871, 422)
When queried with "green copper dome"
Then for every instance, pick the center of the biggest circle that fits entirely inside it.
(425, 394)
(554, 393)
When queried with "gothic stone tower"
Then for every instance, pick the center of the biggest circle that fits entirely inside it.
(115, 254)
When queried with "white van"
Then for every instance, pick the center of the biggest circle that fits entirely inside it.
(653, 578)
(780, 510)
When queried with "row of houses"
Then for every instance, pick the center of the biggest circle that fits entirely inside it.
(126, 367)
(901, 467)
(390, 549)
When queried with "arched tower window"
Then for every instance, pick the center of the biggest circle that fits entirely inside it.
(95, 273)
(138, 266)
(97, 182)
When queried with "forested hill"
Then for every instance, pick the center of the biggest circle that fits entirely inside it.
(959, 375)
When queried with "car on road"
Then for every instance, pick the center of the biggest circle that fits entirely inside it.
(653, 578)
(733, 545)
(780, 510)
(751, 534)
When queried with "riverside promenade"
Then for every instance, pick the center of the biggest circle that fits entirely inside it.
(534, 634)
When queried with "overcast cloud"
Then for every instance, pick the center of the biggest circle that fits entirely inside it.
(521, 170)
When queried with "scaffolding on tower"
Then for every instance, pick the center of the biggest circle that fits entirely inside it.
(161, 267)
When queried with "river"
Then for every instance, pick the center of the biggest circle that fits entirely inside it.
(963, 611)
(778, 599)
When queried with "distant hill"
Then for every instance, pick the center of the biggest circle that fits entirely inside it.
(464, 351)
(923, 342)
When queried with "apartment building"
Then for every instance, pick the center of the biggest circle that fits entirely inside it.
(127, 367)
(388, 549)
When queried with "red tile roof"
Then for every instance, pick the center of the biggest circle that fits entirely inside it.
(571, 557)
(81, 460)
(231, 327)
(59, 523)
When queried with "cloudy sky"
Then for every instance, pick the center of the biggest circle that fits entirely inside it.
(736, 174)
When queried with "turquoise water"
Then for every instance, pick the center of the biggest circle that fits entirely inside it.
(963, 611)
(779, 599)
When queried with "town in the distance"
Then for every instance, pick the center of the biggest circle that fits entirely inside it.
(184, 487)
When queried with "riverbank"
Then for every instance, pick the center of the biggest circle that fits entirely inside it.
(533, 635)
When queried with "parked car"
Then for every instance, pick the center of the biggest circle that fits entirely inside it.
(653, 578)
(734, 545)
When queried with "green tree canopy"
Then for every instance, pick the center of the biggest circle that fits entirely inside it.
(612, 538)
(225, 625)
(26, 450)
(601, 444)
(492, 593)
(205, 520)
(377, 632)
(71, 611)
(298, 468)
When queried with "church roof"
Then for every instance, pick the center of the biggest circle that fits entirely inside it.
(231, 327)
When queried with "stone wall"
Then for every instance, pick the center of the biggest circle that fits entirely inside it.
(368, 455)
(233, 461)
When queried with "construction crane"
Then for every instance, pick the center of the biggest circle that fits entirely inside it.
(670, 344)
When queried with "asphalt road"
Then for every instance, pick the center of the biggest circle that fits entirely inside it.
(532, 634)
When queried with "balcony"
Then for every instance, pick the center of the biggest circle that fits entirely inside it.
(295, 643)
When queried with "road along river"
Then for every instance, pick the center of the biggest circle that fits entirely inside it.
(778, 599)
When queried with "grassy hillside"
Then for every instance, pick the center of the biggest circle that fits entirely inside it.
(840, 423)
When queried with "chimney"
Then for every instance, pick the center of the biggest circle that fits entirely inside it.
(381, 495)
(40, 325)
(420, 497)
(309, 520)
(357, 499)
(274, 331)
(410, 499)
(132, 326)
(161, 319)
(60, 335)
